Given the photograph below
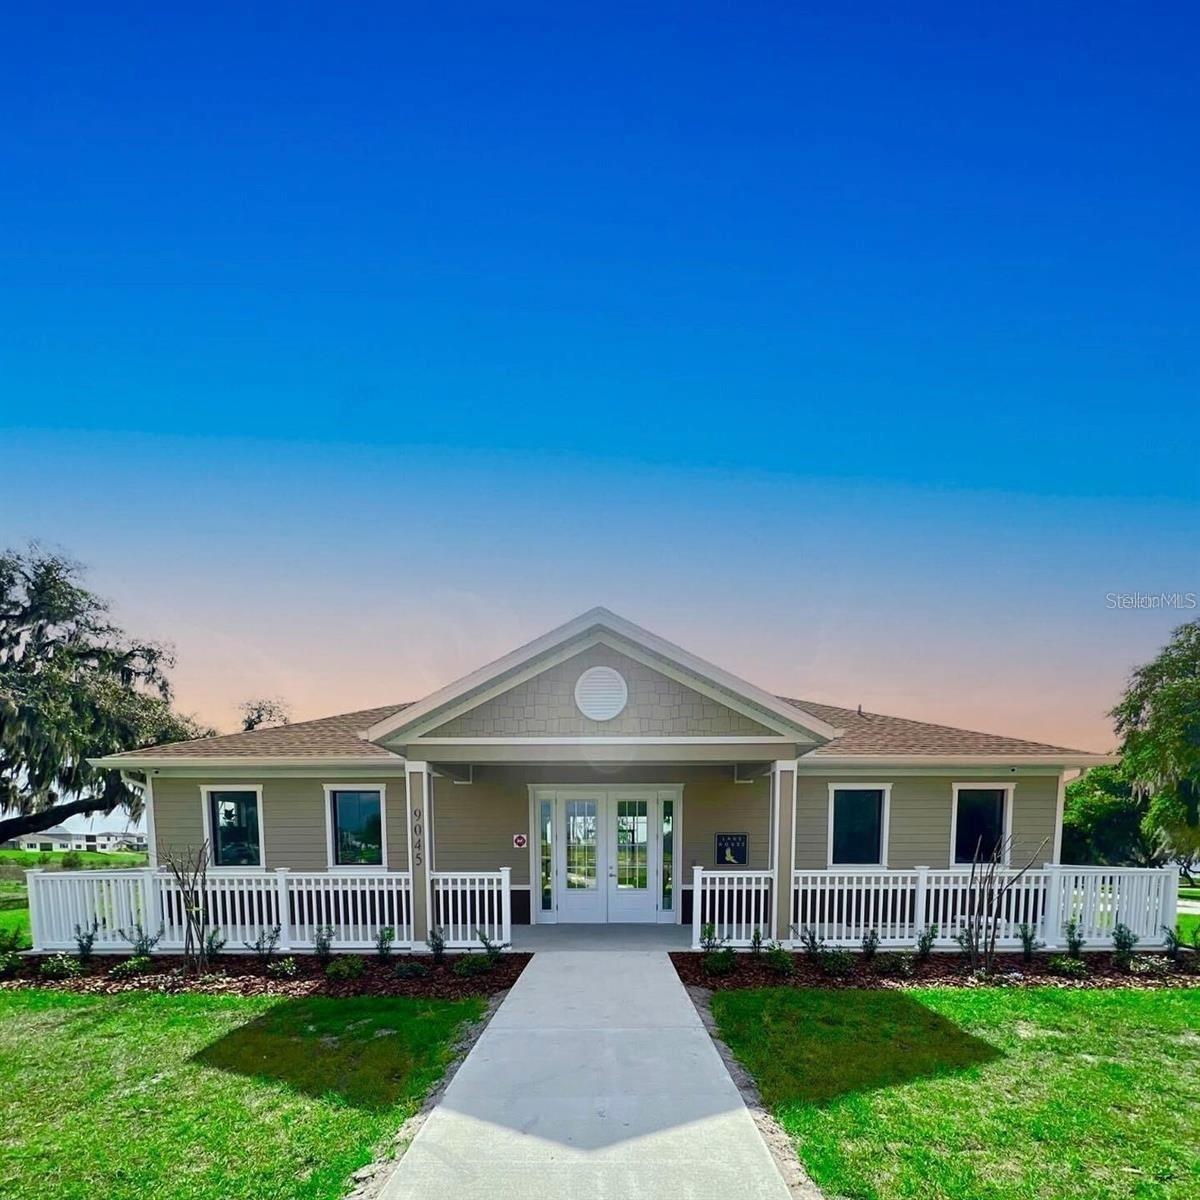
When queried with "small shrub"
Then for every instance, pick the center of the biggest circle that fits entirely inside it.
(265, 945)
(925, 940)
(411, 970)
(141, 942)
(1029, 942)
(139, 964)
(1124, 940)
(812, 945)
(214, 943)
(491, 950)
(45, 858)
(895, 966)
(779, 960)
(383, 942)
(719, 962)
(283, 968)
(837, 964)
(11, 939)
(349, 967)
(470, 965)
(1068, 967)
(10, 963)
(436, 941)
(708, 938)
(59, 966)
(1074, 939)
(323, 937)
(72, 861)
(965, 942)
(756, 943)
(1172, 943)
(870, 944)
(85, 939)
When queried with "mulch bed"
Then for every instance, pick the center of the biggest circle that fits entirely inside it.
(237, 975)
(943, 970)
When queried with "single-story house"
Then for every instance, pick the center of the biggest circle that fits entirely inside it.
(58, 838)
(602, 774)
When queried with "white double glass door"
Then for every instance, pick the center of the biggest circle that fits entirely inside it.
(608, 855)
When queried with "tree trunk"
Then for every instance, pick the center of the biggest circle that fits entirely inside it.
(12, 827)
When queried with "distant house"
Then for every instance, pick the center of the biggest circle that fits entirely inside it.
(104, 841)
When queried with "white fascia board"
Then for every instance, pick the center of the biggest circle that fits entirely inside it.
(193, 762)
(599, 618)
(1050, 762)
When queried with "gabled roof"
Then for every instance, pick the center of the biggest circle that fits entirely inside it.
(602, 625)
(865, 733)
(839, 735)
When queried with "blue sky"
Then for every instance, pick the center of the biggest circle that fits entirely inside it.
(856, 349)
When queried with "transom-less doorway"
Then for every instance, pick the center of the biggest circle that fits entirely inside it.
(606, 854)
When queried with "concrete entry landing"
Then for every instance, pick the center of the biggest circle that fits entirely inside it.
(540, 938)
(595, 1080)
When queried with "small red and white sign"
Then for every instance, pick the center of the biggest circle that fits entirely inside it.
(520, 841)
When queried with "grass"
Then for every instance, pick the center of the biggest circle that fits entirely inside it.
(28, 859)
(1189, 924)
(989, 1094)
(1189, 893)
(208, 1097)
(15, 918)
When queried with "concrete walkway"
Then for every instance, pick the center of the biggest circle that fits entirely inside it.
(595, 1079)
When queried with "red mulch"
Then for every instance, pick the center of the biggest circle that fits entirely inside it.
(237, 975)
(942, 970)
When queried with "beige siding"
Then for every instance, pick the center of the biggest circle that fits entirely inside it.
(919, 825)
(544, 706)
(473, 824)
(293, 816)
(725, 807)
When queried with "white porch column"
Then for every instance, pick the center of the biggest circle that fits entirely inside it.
(416, 798)
(783, 842)
(1169, 912)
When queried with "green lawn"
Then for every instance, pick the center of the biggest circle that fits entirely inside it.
(207, 1097)
(28, 859)
(1189, 893)
(15, 918)
(987, 1094)
(1188, 924)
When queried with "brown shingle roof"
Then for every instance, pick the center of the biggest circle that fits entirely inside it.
(873, 733)
(864, 734)
(326, 737)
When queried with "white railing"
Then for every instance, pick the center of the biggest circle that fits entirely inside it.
(734, 903)
(464, 904)
(240, 906)
(841, 906)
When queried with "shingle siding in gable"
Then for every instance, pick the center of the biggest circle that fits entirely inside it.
(544, 706)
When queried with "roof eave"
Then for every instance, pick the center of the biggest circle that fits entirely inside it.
(1066, 758)
(125, 763)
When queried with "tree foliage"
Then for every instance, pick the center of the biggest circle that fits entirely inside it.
(1158, 721)
(73, 686)
(264, 711)
(1104, 822)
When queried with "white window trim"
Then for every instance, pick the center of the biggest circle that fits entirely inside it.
(1008, 787)
(330, 856)
(206, 790)
(884, 825)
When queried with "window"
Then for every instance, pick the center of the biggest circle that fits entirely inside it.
(234, 827)
(546, 863)
(858, 821)
(668, 855)
(356, 827)
(980, 820)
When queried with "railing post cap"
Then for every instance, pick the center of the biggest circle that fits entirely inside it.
(506, 870)
(282, 870)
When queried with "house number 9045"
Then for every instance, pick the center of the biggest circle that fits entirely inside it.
(418, 838)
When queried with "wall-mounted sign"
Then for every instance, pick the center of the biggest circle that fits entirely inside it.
(733, 849)
(520, 841)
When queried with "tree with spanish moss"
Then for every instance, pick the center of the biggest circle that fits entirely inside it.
(73, 686)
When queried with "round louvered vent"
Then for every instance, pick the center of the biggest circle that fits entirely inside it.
(600, 693)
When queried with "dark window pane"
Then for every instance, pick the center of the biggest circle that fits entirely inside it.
(547, 855)
(857, 825)
(357, 829)
(668, 855)
(234, 818)
(980, 823)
